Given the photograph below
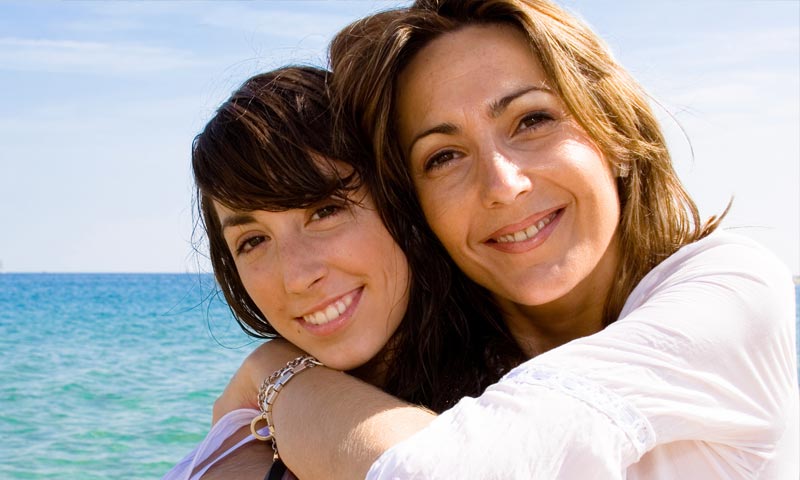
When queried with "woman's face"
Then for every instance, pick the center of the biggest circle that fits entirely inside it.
(514, 188)
(329, 278)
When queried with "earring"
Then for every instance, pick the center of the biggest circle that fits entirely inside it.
(621, 170)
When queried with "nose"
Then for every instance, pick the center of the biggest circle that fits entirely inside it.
(303, 266)
(502, 180)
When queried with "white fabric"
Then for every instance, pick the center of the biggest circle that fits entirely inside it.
(224, 428)
(696, 380)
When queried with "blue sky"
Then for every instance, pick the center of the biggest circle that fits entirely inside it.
(99, 102)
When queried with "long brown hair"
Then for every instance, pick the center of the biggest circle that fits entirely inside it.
(261, 151)
(657, 214)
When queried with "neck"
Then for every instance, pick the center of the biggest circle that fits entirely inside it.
(540, 328)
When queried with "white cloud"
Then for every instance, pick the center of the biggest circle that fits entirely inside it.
(61, 56)
(283, 23)
(295, 20)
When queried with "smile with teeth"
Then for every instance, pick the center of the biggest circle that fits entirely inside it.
(527, 233)
(331, 312)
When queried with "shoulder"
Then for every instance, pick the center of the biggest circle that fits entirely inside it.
(732, 248)
(721, 262)
(704, 348)
(722, 252)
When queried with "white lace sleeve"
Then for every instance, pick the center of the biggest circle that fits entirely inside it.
(535, 423)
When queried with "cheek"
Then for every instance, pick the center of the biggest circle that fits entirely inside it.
(260, 284)
(373, 252)
(395, 270)
(601, 207)
(588, 174)
(402, 280)
(443, 210)
(387, 267)
(606, 193)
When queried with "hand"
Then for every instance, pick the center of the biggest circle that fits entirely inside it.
(242, 390)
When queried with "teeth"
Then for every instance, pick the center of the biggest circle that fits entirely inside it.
(329, 313)
(528, 233)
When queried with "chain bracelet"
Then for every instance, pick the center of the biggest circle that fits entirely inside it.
(269, 392)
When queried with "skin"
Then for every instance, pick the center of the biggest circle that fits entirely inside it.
(304, 263)
(492, 151)
(484, 133)
(297, 263)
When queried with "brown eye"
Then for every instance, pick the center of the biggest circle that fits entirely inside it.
(249, 244)
(326, 211)
(438, 160)
(534, 120)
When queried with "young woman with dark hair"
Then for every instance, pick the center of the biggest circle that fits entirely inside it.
(300, 252)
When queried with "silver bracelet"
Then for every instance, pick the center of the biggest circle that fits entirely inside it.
(269, 392)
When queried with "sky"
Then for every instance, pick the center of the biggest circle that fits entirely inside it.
(100, 101)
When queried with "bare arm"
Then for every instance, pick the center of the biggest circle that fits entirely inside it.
(329, 425)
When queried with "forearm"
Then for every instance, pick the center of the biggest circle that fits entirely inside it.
(328, 424)
(333, 426)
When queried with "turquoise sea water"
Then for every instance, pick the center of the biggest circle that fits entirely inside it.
(110, 376)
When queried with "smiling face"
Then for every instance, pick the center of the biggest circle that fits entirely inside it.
(516, 191)
(329, 278)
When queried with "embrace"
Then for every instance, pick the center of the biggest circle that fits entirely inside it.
(474, 258)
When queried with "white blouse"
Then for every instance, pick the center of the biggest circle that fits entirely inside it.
(696, 380)
(224, 428)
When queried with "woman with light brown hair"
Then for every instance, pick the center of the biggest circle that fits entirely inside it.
(659, 347)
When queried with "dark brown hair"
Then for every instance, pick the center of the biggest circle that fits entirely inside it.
(657, 214)
(261, 151)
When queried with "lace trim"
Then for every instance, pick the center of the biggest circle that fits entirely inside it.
(620, 411)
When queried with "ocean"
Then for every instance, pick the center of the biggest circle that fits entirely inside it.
(111, 375)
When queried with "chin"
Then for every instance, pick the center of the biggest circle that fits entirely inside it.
(535, 293)
(343, 363)
(337, 363)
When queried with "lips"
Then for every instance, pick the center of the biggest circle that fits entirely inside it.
(528, 233)
(332, 310)
(525, 230)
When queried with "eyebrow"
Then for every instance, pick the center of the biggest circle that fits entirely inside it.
(237, 220)
(496, 108)
(443, 128)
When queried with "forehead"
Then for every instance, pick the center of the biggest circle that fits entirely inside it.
(468, 70)
(498, 52)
